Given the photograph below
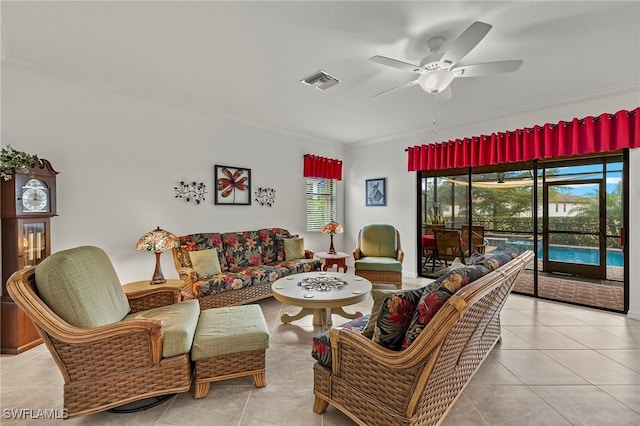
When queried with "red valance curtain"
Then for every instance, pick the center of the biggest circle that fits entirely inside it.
(605, 133)
(322, 167)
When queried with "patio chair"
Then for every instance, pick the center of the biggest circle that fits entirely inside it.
(448, 246)
(477, 234)
(429, 244)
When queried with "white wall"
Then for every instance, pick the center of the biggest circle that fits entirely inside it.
(387, 158)
(119, 159)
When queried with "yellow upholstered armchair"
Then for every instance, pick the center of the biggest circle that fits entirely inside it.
(378, 256)
(112, 348)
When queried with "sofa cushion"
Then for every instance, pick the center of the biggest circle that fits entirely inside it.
(202, 241)
(205, 262)
(261, 273)
(436, 294)
(293, 248)
(378, 264)
(300, 265)
(321, 346)
(394, 318)
(281, 235)
(242, 248)
(179, 323)
(219, 283)
(81, 286)
(271, 245)
(378, 297)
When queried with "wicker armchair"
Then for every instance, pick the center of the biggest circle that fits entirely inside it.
(418, 385)
(378, 256)
(109, 357)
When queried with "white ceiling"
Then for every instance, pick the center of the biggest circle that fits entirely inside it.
(246, 59)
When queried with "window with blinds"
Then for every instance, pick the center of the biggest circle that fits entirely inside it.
(321, 203)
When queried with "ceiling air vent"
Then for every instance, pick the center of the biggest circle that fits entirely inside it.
(320, 80)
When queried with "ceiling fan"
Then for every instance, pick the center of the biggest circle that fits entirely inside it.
(438, 70)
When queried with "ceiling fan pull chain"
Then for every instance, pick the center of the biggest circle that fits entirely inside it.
(435, 113)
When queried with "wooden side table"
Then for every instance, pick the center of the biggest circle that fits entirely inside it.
(338, 259)
(146, 284)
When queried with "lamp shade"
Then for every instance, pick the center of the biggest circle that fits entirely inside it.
(332, 228)
(157, 241)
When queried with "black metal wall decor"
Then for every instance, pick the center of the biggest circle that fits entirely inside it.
(190, 191)
(265, 196)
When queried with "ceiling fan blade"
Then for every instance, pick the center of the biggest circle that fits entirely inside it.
(464, 44)
(394, 63)
(409, 84)
(498, 67)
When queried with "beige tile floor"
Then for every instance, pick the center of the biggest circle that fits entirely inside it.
(558, 364)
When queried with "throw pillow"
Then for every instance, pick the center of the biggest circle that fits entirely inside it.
(475, 258)
(205, 262)
(293, 248)
(497, 259)
(394, 318)
(436, 294)
(378, 298)
(321, 347)
(457, 264)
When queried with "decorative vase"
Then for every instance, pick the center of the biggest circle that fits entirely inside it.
(331, 249)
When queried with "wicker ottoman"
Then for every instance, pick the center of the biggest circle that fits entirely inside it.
(229, 342)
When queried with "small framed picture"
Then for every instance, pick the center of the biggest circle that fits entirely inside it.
(376, 194)
(233, 185)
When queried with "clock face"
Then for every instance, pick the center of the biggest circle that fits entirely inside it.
(35, 196)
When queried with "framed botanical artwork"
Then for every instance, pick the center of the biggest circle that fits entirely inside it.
(233, 185)
(375, 190)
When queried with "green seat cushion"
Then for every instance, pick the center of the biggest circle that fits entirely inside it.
(230, 330)
(378, 264)
(179, 323)
(81, 286)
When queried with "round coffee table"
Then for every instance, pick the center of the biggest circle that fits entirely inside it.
(321, 294)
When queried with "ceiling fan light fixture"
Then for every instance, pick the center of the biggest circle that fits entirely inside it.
(436, 81)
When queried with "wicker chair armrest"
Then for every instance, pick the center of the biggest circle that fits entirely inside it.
(357, 254)
(400, 256)
(186, 274)
(308, 254)
(150, 298)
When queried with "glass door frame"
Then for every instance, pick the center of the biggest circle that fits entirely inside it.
(538, 167)
(578, 269)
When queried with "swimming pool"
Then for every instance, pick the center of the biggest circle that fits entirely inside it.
(583, 255)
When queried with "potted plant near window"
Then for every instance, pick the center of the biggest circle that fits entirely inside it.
(436, 219)
(11, 159)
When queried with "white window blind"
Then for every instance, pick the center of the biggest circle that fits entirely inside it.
(321, 203)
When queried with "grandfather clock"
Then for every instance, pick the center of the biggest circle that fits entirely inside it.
(28, 203)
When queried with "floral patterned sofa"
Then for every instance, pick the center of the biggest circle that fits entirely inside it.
(249, 262)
